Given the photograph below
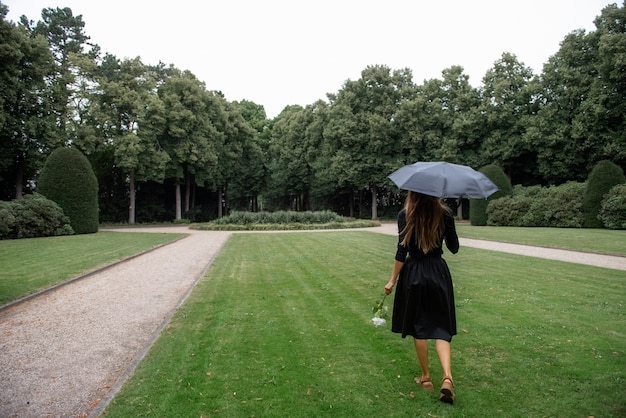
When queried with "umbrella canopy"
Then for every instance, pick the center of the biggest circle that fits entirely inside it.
(444, 180)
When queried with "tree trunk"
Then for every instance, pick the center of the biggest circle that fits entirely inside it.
(220, 203)
(187, 191)
(459, 209)
(351, 204)
(131, 205)
(19, 179)
(374, 202)
(178, 202)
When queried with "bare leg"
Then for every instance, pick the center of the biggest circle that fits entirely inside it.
(421, 348)
(443, 351)
(447, 386)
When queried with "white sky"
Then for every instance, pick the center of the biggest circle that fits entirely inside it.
(283, 52)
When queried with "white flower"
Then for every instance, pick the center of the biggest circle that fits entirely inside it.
(379, 322)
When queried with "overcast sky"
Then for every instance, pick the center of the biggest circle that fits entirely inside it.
(282, 52)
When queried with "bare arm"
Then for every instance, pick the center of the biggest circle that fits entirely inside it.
(397, 266)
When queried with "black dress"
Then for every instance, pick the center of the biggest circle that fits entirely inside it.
(424, 300)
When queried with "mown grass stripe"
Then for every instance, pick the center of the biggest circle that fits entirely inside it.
(280, 326)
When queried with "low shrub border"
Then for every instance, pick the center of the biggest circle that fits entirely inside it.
(282, 221)
(210, 226)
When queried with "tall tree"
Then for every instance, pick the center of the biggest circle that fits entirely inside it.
(318, 157)
(251, 175)
(439, 122)
(604, 114)
(242, 157)
(460, 102)
(420, 123)
(27, 132)
(361, 124)
(81, 127)
(563, 86)
(129, 117)
(506, 108)
(191, 136)
(582, 94)
(65, 35)
(290, 170)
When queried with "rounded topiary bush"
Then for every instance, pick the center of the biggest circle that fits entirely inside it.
(7, 220)
(602, 178)
(554, 206)
(68, 179)
(478, 207)
(32, 216)
(613, 208)
(557, 207)
(510, 210)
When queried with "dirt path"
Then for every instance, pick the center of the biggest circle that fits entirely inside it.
(67, 352)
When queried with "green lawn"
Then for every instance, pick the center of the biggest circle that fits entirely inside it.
(602, 241)
(281, 327)
(30, 265)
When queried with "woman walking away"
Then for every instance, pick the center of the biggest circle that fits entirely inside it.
(424, 300)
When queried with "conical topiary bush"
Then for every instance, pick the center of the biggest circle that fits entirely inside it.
(68, 179)
(602, 178)
(478, 207)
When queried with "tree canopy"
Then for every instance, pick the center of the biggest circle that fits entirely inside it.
(164, 147)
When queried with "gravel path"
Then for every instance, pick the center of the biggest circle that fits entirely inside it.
(598, 260)
(67, 352)
(63, 352)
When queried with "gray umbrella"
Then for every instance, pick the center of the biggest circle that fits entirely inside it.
(444, 180)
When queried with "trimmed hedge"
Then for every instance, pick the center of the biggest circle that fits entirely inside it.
(282, 221)
(509, 210)
(554, 206)
(602, 178)
(478, 207)
(32, 216)
(613, 208)
(210, 226)
(68, 178)
(280, 217)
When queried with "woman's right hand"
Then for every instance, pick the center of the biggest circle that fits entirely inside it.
(389, 287)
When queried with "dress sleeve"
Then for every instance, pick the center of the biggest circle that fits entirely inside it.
(452, 239)
(401, 251)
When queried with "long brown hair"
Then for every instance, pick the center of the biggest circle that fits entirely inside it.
(424, 220)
